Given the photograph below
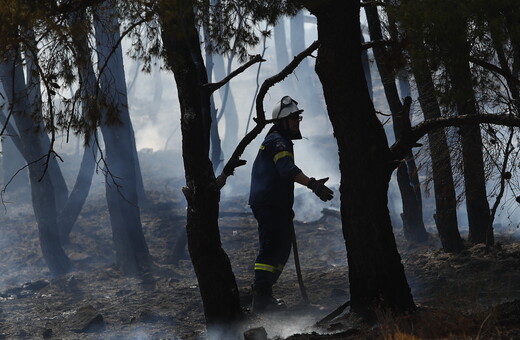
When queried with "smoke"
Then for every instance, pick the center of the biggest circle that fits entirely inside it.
(282, 325)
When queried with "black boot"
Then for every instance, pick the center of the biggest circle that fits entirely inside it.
(264, 302)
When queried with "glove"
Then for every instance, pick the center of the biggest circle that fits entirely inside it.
(318, 187)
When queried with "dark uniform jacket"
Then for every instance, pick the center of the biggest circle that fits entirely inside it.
(272, 177)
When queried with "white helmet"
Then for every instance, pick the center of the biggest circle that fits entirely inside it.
(285, 108)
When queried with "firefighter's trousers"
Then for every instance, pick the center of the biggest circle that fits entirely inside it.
(274, 231)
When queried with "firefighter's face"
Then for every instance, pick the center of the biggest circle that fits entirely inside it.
(294, 123)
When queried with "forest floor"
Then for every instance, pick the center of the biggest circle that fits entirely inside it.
(474, 294)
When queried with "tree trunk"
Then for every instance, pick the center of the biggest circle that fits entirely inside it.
(68, 216)
(228, 110)
(280, 44)
(12, 162)
(474, 175)
(413, 225)
(376, 273)
(34, 94)
(445, 196)
(121, 186)
(366, 68)
(217, 283)
(302, 81)
(217, 156)
(42, 189)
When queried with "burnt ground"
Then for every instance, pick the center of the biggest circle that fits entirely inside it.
(470, 295)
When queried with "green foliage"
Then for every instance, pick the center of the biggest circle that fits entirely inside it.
(234, 26)
(47, 32)
(449, 32)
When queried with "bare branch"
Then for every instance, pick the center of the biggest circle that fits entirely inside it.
(269, 82)
(235, 161)
(117, 43)
(409, 139)
(493, 68)
(18, 171)
(11, 131)
(212, 87)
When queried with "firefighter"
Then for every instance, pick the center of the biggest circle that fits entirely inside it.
(271, 199)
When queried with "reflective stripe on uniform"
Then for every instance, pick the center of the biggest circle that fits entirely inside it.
(268, 267)
(262, 147)
(281, 155)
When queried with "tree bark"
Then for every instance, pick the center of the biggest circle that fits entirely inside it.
(445, 196)
(228, 109)
(88, 85)
(69, 214)
(121, 186)
(217, 283)
(412, 216)
(216, 145)
(12, 162)
(366, 68)
(376, 273)
(42, 189)
(477, 205)
(34, 99)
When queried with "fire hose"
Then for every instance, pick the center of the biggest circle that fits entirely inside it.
(297, 265)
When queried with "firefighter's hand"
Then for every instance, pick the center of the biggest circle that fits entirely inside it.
(318, 187)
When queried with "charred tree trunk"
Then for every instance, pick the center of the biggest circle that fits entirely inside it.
(412, 216)
(217, 283)
(474, 175)
(376, 273)
(445, 196)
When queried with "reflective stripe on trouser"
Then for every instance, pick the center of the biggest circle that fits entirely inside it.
(274, 231)
(268, 267)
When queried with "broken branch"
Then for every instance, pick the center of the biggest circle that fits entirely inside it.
(212, 87)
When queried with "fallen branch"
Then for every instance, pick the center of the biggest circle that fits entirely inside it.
(333, 314)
